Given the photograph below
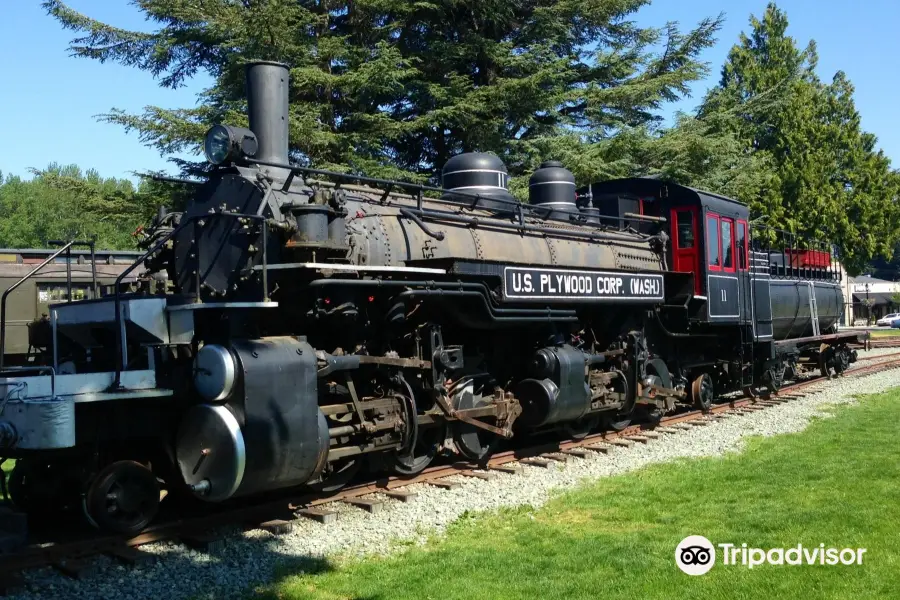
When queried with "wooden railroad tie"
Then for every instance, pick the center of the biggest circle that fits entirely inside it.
(370, 505)
(509, 469)
(637, 438)
(203, 542)
(537, 462)
(651, 435)
(681, 426)
(75, 568)
(699, 423)
(577, 452)
(474, 475)
(444, 484)
(667, 430)
(127, 555)
(557, 456)
(604, 448)
(621, 442)
(318, 514)
(401, 495)
(276, 526)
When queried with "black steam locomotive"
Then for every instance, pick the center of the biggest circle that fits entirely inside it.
(296, 324)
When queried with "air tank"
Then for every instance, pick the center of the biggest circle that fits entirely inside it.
(552, 187)
(479, 173)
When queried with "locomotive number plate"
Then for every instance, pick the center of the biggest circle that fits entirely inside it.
(526, 283)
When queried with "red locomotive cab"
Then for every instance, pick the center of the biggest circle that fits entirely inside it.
(686, 244)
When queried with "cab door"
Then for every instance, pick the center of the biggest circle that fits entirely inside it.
(685, 245)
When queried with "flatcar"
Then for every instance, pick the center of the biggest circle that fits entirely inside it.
(295, 325)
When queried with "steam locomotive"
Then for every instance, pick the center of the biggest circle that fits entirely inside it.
(295, 325)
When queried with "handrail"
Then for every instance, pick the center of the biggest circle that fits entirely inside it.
(90, 245)
(417, 189)
(11, 288)
(120, 331)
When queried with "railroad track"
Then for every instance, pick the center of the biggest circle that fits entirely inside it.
(888, 342)
(73, 558)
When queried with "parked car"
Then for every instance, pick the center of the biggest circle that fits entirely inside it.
(887, 320)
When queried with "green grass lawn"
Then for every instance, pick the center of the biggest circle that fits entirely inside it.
(887, 332)
(837, 483)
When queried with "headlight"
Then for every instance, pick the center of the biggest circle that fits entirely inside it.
(225, 143)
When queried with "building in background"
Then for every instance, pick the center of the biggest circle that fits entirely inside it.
(869, 299)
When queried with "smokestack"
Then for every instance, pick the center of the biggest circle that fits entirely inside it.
(267, 108)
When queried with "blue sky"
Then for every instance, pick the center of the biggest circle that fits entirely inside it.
(48, 100)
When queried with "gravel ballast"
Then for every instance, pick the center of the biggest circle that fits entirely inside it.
(249, 559)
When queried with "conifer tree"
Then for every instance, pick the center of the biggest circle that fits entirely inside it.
(395, 88)
(827, 179)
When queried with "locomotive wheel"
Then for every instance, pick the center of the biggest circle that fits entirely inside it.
(428, 443)
(336, 477)
(579, 430)
(842, 360)
(774, 378)
(473, 442)
(826, 360)
(702, 392)
(620, 420)
(750, 392)
(123, 498)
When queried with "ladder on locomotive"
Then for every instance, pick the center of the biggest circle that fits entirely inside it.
(813, 308)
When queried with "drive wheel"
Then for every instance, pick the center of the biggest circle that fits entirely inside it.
(428, 443)
(702, 392)
(578, 430)
(617, 421)
(336, 476)
(123, 498)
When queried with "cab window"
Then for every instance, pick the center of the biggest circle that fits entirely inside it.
(712, 242)
(685, 229)
(727, 245)
(742, 245)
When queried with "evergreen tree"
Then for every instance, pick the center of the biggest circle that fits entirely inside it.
(395, 88)
(64, 203)
(827, 181)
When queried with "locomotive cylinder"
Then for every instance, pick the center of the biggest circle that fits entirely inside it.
(559, 391)
(270, 433)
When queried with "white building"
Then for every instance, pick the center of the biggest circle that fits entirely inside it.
(869, 299)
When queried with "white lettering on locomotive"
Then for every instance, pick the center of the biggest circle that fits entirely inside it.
(644, 286)
(532, 283)
(609, 286)
(521, 282)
